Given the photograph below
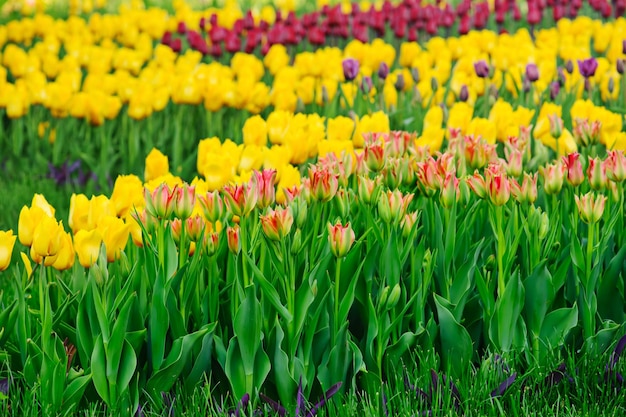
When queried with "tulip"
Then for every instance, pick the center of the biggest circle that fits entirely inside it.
(532, 72)
(157, 165)
(350, 68)
(184, 201)
(477, 183)
(7, 242)
(596, 173)
(115, 234)
(27, 223)
(211, 242)
(464, 93)
(555, 88)
(233, 238)
(527, 192)
(212, 205)
(340, 238)
(591, 207)
(588, 67)
(47, 241)
(553, 176)
(482, 69)
(265, 187)
(87, 245)
(160, 202)
(498, 185)
(240, 199)
(619, 66)
(616, 165)
(449, 190)
(383, 71)
(408, 222)
(374, 156)
(66, 256)
(276, 224)
(323, 184)
(194, 227)
(575, 175)
(176, 226)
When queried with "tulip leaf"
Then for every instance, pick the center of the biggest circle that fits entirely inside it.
(158, 324)
(75, 389)
(126, 369)
(507, 313)
(539, 296)
(285, 383)
(304, 300)
(268, 290)
(247, 328)
(202, 361)
(177, 359)
(98, 370)
(118, 335)
(556, 326)
(456, 344)
(234, 369)
(610, 306)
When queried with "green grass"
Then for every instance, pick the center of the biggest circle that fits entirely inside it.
(585, 395)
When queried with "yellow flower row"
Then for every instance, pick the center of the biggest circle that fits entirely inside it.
(124, 67)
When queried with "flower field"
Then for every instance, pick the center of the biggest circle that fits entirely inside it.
(273, 207)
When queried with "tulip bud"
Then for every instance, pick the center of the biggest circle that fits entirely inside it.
(394, 297)
(434, 84)
(350, 68)
(555, 88)
(490, 264)
(408, 222)
(616, 165)
(482, 69)
(596, 173)
(527, 192)
(569, 66)
(383, 71)
(556, 125)
(323, 184)
(375, 156)
(233, 238)
(211, 242)
(415, 74)
(368, 189)
(342, 202)
(532, 72)
(176, 226)
(449, 190)
(194, 227)
(266, 191)
(366, 85)
(498, 185)
(184, 201)
(553, 176)
(277, 223)
(296, 243)
(464, 93)
(477, 183)
(399, 84)
(591, 207)
(575, 175)
(160, 202)
(212, 205)
(620, 66)
(340, 238)
(7, 242)
(384, 295)
(241, 199)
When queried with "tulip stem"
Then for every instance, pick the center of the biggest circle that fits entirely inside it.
(501, 246)
(337, 286)
(590, 237)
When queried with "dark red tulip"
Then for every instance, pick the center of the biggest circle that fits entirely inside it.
(534, 16)
(232, 43)
(167, 38)
(176, 45)
(215, 50)
(181, 28)
(316, 36)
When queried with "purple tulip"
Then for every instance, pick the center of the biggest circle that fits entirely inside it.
(464, 93)
(399, 85)
(624, 46)
(587, 67)
(555, 88)
(482, 69)
(532, 72)
(350, 68)
(569, 67)
(620, 65)
(383, 70)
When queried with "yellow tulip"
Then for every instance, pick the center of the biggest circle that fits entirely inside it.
(28, 221)
(340, 128)
(87, 245)
(483, 128)
(47, 241)
(66, 256)
(255, 131)
(7, 242)
(127, 194)
(157, 165)
(114, 236)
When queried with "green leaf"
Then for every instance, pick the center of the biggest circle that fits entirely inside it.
(247, 328)
(268, 290)
(118, 336)
(539, 296)
(202, 362)
(99, 370)
(285, 383)
(100, 312)
(456, 344)
(557, 325)
(158, 324)
(507, 312)
(74, 391)
(125, 370)
(176, 361)
(611, 306)
(234, 369)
